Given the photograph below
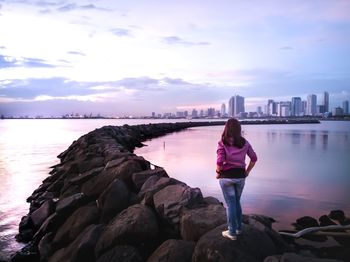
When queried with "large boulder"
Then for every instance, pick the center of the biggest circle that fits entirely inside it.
(82, 248)
(76, 223)
(122, 253)
(305, 222)
(173, 250)
(140, 178)
(253, 245)
(154, 184)
(68, 204)
(136, 225)
(95, 186)
(42, 213)
(113, 200)
(170, 201)
(196, 222)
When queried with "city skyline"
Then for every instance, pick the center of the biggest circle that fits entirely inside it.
(130, 59)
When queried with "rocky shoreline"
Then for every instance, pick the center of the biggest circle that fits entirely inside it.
(104, 203)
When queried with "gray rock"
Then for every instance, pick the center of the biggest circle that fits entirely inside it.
(305, 222)
(196, 222)
(173, 250)
(71, 203)
(45, 247)
(140, 178)
(76, 223)
(325, 221)
(252, 245)
(339, 216)
(134, 226)
(82, 248)
(212, 201)
(113, 200)
(42, 213)
(83, 177)
(155, 184)
(95, 186)
(121, 254)
(170, 201)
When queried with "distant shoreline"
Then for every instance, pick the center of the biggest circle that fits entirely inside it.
(255, 120)
(208, 122)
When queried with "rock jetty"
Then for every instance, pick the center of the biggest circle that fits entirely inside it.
(104, 203)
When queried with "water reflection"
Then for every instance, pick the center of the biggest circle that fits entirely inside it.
(298, 173)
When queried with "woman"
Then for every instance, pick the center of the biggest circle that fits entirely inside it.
(231, 170)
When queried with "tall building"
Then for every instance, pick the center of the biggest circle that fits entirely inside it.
(346, 107)
(269, 108)
(326, 102)
(259, 110)
(303, 107)
(236, 106)
(194, 113)
(231, 105)
(296, 106)
(284, 109)
(223, 109)
(311, 105)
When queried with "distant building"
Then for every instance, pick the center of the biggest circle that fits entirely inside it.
(296, 106)
(284, 109)
(270, 109)
(211, 112)
(337, 111)
(223, 110)
(346, 107)
(326, 102)
(320, 109)
(311, 105)
(194, 113)
(303, 107)
(236, 106)
(259, 110)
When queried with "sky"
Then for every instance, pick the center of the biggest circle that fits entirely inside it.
(121, 58)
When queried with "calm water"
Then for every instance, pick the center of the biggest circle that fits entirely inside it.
(302, 169)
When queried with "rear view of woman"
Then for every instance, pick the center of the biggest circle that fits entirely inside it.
(231, 171)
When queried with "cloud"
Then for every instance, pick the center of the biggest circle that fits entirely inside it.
(175, 40)
(7, 61)
(73, 6)
(76, 53)
(120, 32)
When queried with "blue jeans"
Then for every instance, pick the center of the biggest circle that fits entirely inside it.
(232, 189)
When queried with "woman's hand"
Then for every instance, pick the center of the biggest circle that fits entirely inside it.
(217, 173)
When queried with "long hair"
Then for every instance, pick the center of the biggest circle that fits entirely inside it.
(232, 133)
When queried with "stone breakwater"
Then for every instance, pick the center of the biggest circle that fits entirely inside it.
(104, 203)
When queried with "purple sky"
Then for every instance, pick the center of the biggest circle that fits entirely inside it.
(135, 57)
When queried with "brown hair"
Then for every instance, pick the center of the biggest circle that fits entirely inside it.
(232, 133)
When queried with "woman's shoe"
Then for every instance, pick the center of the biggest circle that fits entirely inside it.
(227, 234)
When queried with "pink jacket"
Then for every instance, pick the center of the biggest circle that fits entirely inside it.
(233, 157)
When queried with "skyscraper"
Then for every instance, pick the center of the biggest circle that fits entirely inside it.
(231, 105)
(236, 105)
(223, 110)
(346, 107)
(311, 105)
(296, 106)
(284, 108)
(326, 102)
